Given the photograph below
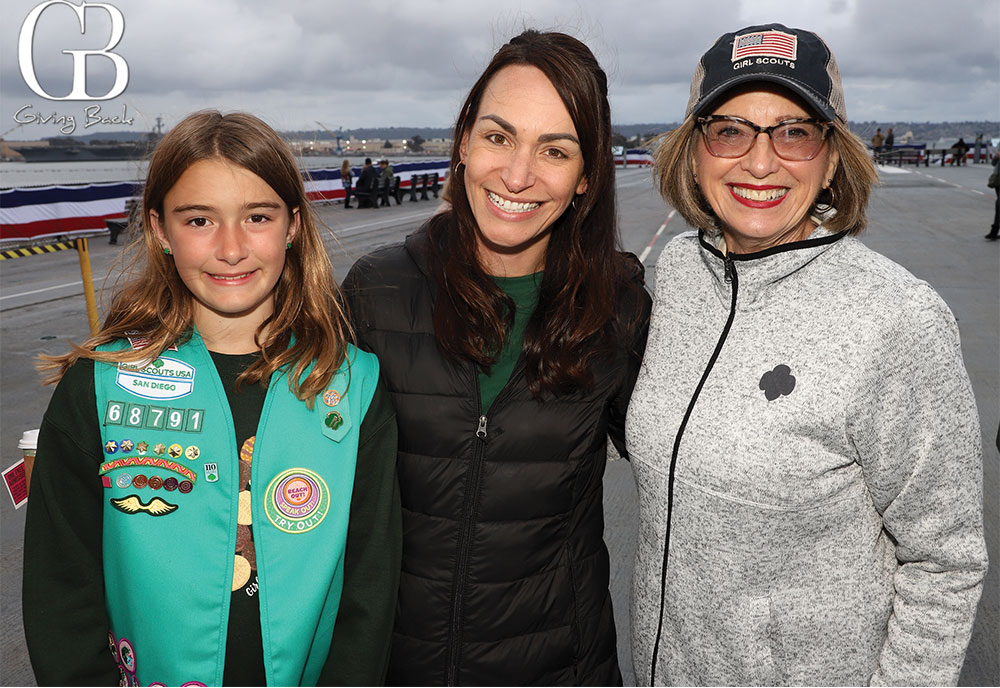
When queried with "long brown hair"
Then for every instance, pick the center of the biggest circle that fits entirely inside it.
(578, 317)
(154, 302)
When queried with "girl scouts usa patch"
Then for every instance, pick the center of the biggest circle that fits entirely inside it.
(296, 500)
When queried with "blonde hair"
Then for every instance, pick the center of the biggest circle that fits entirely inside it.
(673, 166)
(155, 304)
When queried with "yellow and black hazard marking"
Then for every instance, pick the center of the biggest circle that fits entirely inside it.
(41, 249)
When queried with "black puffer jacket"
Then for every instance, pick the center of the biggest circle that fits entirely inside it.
(505, 572)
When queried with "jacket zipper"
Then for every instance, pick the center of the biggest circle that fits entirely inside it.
(468, 521)
(731, 277)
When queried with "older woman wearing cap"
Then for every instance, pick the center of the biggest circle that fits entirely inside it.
(803, 431)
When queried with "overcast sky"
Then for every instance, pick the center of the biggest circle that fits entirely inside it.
(384, 63)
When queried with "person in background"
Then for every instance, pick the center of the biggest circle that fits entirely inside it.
(960, 151)
(367, 189)
(890, 139)
(386, 178)
(877, 141)
(994, 182)
(345, 177)
(510, 329)
(214, 497)
(804, 436)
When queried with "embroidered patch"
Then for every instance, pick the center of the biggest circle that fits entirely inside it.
(296, 500)
(133, 505)
(127, 655)
(331, 397)
(164, 378)
(765, 44)
(777, 382)
(211, 472)
(149, 461)
(246, 451)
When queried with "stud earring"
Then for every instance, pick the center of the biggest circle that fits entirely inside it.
(288, 245)
(166, 251)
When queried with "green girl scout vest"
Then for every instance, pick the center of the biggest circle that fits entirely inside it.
(171, 481)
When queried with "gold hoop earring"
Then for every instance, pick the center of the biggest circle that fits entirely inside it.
(822, 204)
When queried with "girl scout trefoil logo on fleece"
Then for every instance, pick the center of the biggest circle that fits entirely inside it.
(297, 500)
(164, 378)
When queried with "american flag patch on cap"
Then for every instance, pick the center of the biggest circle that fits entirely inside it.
(765, 44)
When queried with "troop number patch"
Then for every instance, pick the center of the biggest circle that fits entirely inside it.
(296, 500)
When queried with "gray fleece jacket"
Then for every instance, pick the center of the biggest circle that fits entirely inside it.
(807, 450)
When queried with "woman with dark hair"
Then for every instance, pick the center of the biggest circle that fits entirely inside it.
(803, 433)
(510, 329)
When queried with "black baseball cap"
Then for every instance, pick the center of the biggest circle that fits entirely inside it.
(797, 59)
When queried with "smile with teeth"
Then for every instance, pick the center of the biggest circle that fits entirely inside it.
(771, 194)
(510, 206)
(231, 278)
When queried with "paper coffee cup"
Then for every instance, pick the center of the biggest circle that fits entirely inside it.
(28, 441)
(27, 444)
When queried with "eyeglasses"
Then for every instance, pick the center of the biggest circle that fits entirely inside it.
(733, 137)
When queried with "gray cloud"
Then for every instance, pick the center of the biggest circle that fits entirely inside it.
(358, 64)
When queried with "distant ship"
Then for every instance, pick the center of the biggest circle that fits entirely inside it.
(69, 149)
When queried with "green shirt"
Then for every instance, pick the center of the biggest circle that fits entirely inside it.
(524, 291)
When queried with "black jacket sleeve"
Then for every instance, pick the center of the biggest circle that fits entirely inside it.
(65, 618)
(359, 654)
(637, 302)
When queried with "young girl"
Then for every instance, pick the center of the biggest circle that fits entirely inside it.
(214, 499)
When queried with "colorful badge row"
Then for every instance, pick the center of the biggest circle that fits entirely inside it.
(154, 482)
(174, 451)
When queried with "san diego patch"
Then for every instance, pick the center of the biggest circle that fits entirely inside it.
(164, 378)
(296, 500)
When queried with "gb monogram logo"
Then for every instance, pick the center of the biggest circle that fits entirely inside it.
(79, 92)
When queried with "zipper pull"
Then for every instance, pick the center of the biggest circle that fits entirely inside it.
(729, 269)
(481, 431)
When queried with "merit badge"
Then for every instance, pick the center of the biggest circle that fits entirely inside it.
(113, 646)
(170, 484)
(133, 505)
(139, 481)
(296, 500)
(155, 482)
(185, 486)
(110, 447)
(105, 481)
(246, 451)
(142, 447)
(175, 451)
(211, 472)
(331, 397)
(127, 445)
(164, 378)
(192, 452)
(123, 480)
(160, 448)
(127, 655)
(333, 420)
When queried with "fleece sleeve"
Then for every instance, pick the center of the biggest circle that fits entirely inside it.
(916, 429)
(65, 619)
(359, 653)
